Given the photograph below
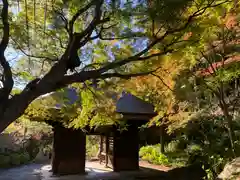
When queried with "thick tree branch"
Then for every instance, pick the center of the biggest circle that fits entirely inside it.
(77, 40)
(101, 72)
(124, 76)
(137, 57)
(8, 80)
(64, 20)
(155, 55)
(131, 58)
(78, 13)
(87, 75)
(80, 39)
(96, 21)
(129, 36)
(4, 16)
(117, 38)
(92, 66)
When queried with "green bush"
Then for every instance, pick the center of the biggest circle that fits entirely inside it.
(92, 151)
(5, 161)
(146, 157)
(92, 146)
(148, 149)
(32, 147)
(47, 148)
(15, 159)
(161, 159)
(153, 155)
(194, 149)
(183, 142)
(203, 140)
(172, 146)
(24, 158)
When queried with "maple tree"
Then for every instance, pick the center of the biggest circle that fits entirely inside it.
(78, 41)
(212, 81)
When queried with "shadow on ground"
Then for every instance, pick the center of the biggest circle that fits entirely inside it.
(98, 172)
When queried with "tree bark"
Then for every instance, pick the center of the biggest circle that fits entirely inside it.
(228, 118)
(15, 107)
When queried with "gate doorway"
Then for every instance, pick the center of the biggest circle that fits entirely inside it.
(99, 154)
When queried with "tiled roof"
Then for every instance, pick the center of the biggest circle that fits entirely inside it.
(66, 97)
(129, 103)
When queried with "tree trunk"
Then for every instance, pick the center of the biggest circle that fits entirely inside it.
(4, 123)
(15, 107)
(231, 133)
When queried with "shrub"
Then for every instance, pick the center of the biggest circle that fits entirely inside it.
(194, 149)
(147, 157)
(172, 146)
(153, 155)
(24, 158)
(92, 151)
(32, 147)
(148, 149)
(92, 146)
(161, 159)
(183, 142)
(4, 161)
(15, 159)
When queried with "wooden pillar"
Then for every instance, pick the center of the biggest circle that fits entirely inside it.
(162, 140)
(68, 151)
(107, 150)
(101, 143)
(100, 149)
(126, 147)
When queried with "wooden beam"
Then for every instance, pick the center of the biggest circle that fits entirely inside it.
(107, 151)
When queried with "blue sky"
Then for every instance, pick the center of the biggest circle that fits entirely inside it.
(13, 56)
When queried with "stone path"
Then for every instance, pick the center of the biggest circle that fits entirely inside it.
(94, 170)
(26, 172)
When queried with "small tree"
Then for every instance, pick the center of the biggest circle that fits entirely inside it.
(214, 78)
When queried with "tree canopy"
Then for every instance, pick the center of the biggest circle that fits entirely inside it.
(67, 42)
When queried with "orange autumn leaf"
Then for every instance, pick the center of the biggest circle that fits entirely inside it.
(231, 21)
(187, 36)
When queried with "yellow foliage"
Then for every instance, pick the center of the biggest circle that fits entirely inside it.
(113, 42)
